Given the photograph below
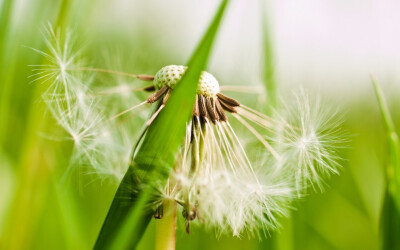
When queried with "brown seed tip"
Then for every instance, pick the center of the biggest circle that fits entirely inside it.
(148, 78)
(227, 100)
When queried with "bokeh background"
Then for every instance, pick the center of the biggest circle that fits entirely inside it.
(329, 47)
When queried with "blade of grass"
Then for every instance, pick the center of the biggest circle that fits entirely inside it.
(390, 215)
(63, 13)
(393, 166)
(34, 167)
(274, 240)
(127, 221)
(6, 8)
(390, 223)
(268, 67)
(5, 88)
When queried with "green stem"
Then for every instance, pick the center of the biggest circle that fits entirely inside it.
(166, 227)
(268, 69)
(63, 14)
(393, 166)
(390, 214)
(5, 88)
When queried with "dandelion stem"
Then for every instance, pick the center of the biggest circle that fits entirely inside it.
(166, 227)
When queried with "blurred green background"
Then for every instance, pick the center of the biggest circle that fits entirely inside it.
(38, 211)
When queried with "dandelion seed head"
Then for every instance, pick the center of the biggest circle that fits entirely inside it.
(213, 176)
(171, 74)
(224, 188)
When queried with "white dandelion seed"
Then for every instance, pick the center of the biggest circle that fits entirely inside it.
(87, 112)
(60, 57)
(309, 146)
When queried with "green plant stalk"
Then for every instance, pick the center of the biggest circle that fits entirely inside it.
(284, 239)
(63, 12)
(166, 227)
(393, 166)
(5, 16)
(390, 214)
(130, 212)
(390, 223)
(268, 67)
(5, 87)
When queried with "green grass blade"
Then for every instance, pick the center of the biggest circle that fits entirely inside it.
(128, 219)
(63, 12)
(6, 8)
(390, 223)
(268, 67)
(393, 167)
(390, 214)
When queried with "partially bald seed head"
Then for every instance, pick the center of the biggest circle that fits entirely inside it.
(169, 75)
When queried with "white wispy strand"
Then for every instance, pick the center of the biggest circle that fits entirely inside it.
(229, 195)
(233, 193)
(310, 144)
(85, 109)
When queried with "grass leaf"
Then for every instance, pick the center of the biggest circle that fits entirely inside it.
(393, 167)
(129, 213)
(268, 67)
(390, 214)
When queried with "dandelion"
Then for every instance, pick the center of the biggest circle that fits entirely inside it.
(215, 180)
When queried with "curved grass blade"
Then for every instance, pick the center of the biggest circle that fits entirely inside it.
(130, 211)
